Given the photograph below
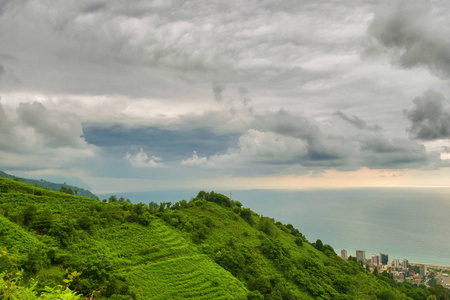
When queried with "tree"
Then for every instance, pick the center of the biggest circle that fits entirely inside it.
(85, 222)
(299, 241)
(153, 207)
(387, 295)
(432, 281)
(246, 214)
(439, 291)
(44, 221)
(65, 190)
(29, 214)
(319, 245)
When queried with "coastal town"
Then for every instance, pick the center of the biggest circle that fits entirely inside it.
(403, 270)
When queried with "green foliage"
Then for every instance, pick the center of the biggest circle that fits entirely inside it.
(319, 245)
(220, 199)
(42, 184)
(29, 214)
(299, 241)
(246, 214)
(432, 282)
(439, 292)
(207, 248)
(267, 226)
(66, 190)
(14, 286)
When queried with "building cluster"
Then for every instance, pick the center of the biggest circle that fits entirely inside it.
(399, 269)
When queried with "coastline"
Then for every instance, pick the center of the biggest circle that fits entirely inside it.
(432, 266)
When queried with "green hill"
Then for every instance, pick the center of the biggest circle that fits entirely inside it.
(52, 186)
(207, 248)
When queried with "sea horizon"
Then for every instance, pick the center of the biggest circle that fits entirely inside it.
(402, 222)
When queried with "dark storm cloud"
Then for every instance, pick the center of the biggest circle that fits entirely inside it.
(7, 139)
(7, 75)
(412, 36)
(430, 117)
(218, 90)
(2, 71)
(143, 49)
(243, 93)
(169, 144)
(40, 138)
(94, 7)
(324, 149)
(357, 122)
(382, 152)
(56, 129)
(7, 57)
(3, 5)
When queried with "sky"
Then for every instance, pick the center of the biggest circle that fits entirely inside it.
(168, 94)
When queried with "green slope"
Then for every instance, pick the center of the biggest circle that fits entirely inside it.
(207, 248)
(51, 185)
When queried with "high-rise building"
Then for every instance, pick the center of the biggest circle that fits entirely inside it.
(423, 270)
(344, 254)
(384, 258)
(376, 260)
(405, 264)
(361, 255)
(396, 263)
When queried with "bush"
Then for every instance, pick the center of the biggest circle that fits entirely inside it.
(246, 214)
(266, 225)
(255, 295)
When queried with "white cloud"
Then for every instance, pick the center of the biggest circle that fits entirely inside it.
(142, 160)
(262, 148)
(195, 160)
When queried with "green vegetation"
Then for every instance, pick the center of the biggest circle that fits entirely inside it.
(207, 248)
(61, 187)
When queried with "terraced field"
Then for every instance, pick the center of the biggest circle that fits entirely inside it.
(140, 244)
(194, 276)
(166, 265)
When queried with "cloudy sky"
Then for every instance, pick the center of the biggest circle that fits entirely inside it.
(171, 94)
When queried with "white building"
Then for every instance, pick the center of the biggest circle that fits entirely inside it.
(423, 270)
(396, 263)
(405, 264)
(376, 260)
(344, 254)
(361, 255)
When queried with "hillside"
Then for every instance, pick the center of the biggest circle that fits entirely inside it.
(52, 186)
(207, 248)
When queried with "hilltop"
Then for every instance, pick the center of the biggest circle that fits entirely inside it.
(208, 247)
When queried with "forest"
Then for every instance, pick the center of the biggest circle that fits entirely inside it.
(59, 245)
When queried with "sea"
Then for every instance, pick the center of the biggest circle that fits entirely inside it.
(411, 223)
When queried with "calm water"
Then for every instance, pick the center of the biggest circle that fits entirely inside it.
(404, 223)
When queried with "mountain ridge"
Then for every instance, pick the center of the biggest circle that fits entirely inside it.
(51, 185)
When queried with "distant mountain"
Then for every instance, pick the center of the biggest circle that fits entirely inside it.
(52, 186)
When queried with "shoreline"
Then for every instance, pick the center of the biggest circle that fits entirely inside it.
(433, 266)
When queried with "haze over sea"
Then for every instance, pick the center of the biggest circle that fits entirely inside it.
(412, 223)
